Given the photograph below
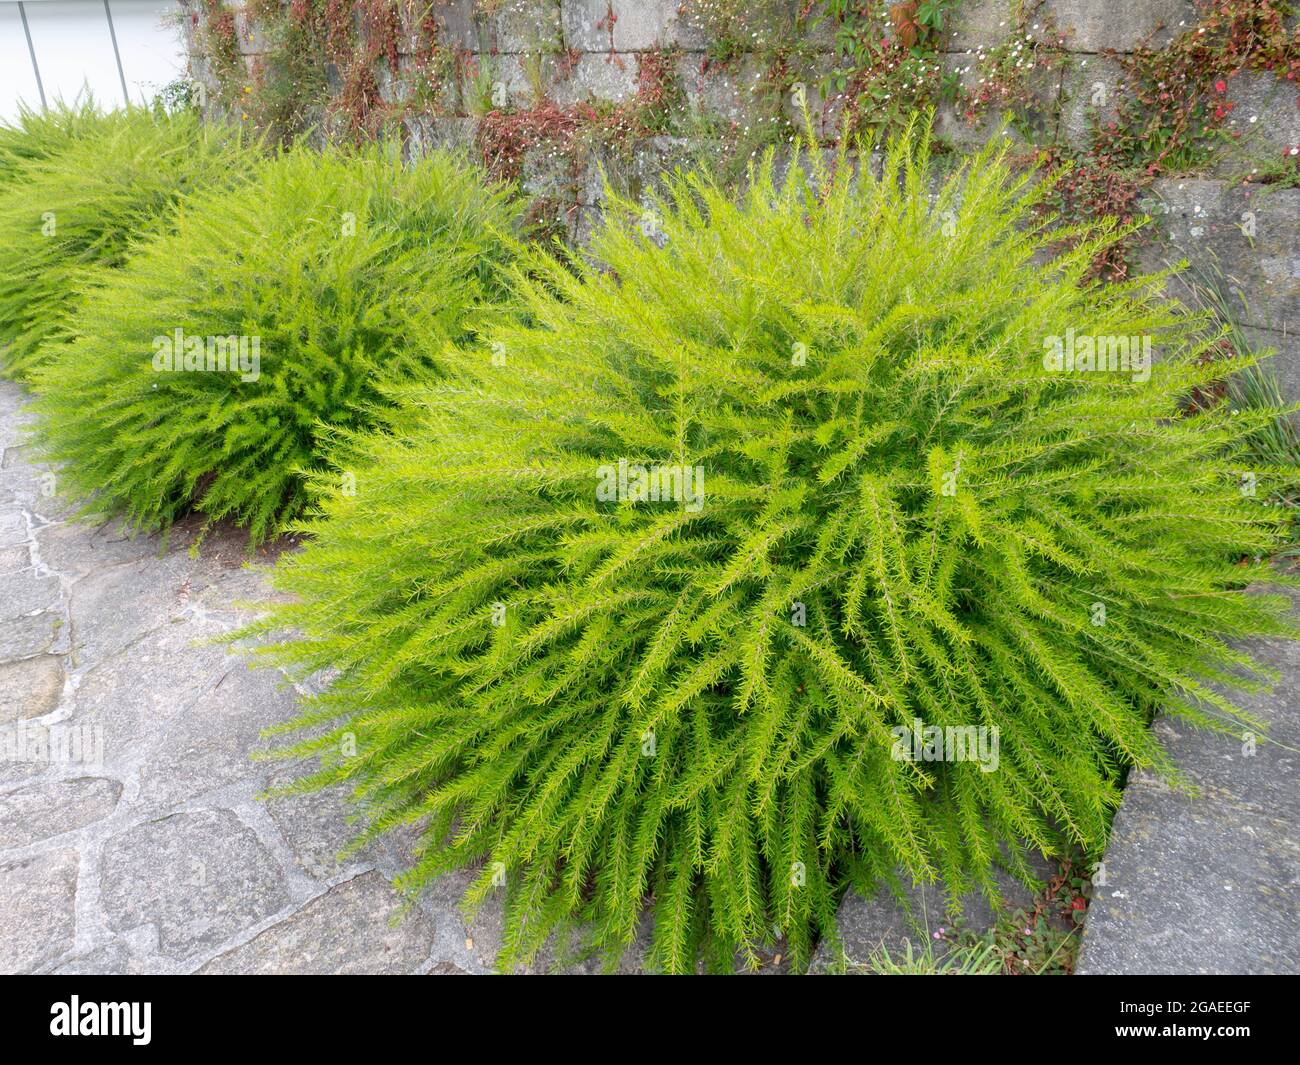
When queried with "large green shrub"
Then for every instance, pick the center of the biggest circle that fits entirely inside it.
(67, 216)
(340, 273)
(696, 705)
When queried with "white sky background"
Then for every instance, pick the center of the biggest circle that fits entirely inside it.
(74, 49)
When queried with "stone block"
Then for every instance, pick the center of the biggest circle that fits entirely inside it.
(1206, 882)
(209, 743)
(977, 24)
(1193, 888)
(357, 927)
(1092, 89)
(637, 25)
(1038, 118)
(52, 808)
(511, 26)
(30, 687)
(38, 897)
(1104, 25)
(1247, 232)
(608, 77)
(197, 878)
(1264, 122)
(426, 133)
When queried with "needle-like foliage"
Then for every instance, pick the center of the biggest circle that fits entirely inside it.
(324, 278)
(67, 217)
(41, 134)
(694, 706)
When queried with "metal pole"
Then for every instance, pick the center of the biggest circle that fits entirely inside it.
(31, 49)
(126, 96)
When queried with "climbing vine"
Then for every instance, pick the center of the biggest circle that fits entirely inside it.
(220, 44)
(505, 135)
(321, 63)
(1171, 115)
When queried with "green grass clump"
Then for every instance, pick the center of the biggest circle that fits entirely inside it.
(342, 273)
(45, 133)
(68, 217)
(693, 706)
(978, 960)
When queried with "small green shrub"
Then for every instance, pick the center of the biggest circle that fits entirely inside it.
(616, 704)
(67, 217)
(329, 275)
(45, 133)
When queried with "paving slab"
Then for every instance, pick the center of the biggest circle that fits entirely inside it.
(214, 737)
(30, 687)
(22, 592)
(135, 694)
(131, 836)
(31, 635)
(196, 878)
(38, 897)
(316, 826)
(43, 810)
(116, 606)
(352, 928)
(75, 550)
(1209, 882)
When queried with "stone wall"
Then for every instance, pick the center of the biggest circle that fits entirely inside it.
(591, 50)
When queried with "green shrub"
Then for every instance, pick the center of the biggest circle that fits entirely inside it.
(45, 133)
(905, 515)
(66, 217)
(339, 273)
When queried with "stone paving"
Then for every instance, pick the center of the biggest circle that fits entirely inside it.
(1209, 883)
(131, 838)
